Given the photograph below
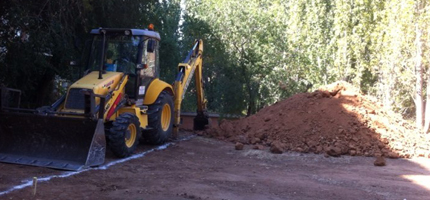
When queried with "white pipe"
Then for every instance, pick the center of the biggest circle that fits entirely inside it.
(103, 167)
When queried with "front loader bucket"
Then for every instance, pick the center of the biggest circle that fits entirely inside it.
(51, 141)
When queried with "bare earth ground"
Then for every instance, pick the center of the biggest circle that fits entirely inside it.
(205, 168)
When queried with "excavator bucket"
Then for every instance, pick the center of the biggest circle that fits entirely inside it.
(51, 141)
(201, 121)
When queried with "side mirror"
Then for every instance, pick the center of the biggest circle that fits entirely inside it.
(74, 63)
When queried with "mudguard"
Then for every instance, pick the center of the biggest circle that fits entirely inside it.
(154, 90)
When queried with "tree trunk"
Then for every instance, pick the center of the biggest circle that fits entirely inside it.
(427, 108)
(419, 81)
(251, 107)
(251, 102)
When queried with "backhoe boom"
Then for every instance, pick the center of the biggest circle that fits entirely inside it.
(192, 64)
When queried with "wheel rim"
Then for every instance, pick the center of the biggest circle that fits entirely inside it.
(166, 116)
(130, 136)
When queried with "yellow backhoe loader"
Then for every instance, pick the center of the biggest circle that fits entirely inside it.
(118, 101)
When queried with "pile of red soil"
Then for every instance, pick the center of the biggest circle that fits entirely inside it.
(335, 120)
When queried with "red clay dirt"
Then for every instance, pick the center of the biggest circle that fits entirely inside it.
(335, 120)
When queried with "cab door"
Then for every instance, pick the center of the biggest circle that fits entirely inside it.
(150, 66)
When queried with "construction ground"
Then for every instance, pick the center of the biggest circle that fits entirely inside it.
(334, 143)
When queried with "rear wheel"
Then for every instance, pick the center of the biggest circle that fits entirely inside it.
(160, 119)
(124, 135)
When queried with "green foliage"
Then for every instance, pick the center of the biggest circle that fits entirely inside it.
(37, 42)
(273, 49)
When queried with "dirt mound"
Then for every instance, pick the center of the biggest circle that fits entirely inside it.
(336, 120)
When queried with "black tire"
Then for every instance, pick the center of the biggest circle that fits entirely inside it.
(161, 129)
(124, 135)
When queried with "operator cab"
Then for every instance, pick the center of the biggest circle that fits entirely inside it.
(131, 51)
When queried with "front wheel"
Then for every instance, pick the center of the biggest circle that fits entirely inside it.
(160, 119)
(124, 135)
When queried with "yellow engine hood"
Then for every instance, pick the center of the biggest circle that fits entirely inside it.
(99, 86)
(75, 100)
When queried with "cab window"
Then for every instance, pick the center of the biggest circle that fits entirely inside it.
(149, 58)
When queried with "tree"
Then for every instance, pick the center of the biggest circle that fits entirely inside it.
(284, 47)
(39, 38)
